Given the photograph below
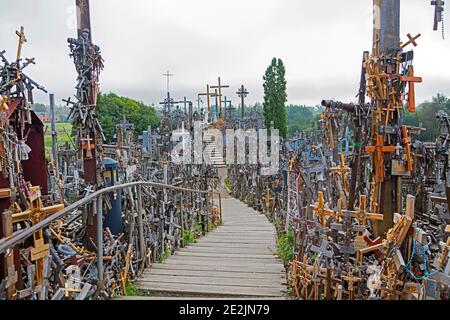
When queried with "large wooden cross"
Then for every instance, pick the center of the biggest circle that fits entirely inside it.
(22, 40)
(36, 213)
(378, 152)
(321, 211)
(220, 86)
(208, 95)
(411, 79)
(362, 215)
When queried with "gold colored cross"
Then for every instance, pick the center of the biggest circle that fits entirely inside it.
(321, 211)
(22, 40)
(362, 215)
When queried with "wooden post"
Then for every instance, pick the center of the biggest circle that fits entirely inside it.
(11, 274)
(142, 247)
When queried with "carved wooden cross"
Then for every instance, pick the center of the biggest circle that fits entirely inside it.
(88, 146)
(321, 211)
(407, 142)
(351, 279)
(322, 250)
(411, 39)
(22, 40)
(362, 215)
(208, 95)
(343, 171)
(220, 86)
(411, 79)
(304, 275)
(378, 152)
(37, 213)
(330, 281)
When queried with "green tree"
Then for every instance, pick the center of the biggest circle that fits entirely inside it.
(425, 116)
(39, 107)
(275, 96)
(300, 118)
(111, 108)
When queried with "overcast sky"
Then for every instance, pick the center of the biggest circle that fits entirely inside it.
(320, 42)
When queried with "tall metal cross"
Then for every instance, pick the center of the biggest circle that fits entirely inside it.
(242, 93)
(168, 75)
(220, 87)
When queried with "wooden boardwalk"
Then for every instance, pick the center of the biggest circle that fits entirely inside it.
(236, 260)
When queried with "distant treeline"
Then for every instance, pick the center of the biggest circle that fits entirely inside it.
(425, 116)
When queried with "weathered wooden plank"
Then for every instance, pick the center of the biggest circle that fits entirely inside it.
(215, 274)
(217, 281)
(203, 267)
(205, 289)
(233, 256)
(211, 260)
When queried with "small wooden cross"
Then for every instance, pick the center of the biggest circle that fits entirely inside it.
(411, 79)
(321, 211)
(351, 279)
(411, 40)
(88, 146)
(378, 155)
(362, 215)
(407, 142)
(343, 171)
(268, 198)
(22, 40)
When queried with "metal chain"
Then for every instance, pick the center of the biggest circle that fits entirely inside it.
(443, 29)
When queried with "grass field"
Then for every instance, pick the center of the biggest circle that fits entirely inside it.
(64, 132)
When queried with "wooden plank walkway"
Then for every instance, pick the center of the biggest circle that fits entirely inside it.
(236, 260)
